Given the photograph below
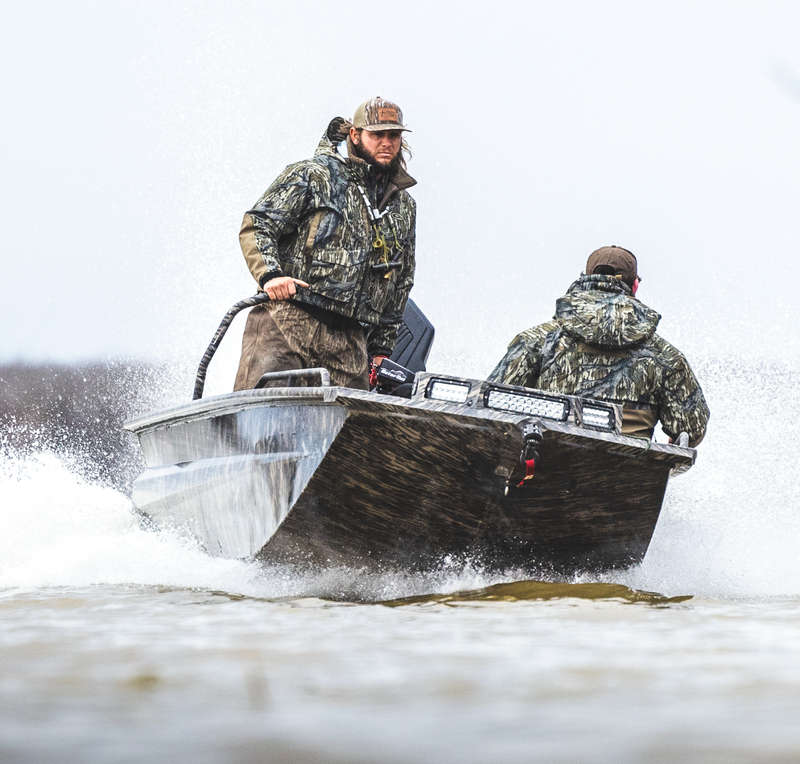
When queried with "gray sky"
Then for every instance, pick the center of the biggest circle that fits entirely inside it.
(135, 135)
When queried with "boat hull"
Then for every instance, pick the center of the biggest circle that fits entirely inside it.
(330, 476)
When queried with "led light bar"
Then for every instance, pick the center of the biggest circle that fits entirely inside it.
(441, 390)
(527, 403)
(597, 416)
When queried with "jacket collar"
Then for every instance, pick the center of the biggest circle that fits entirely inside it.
(601, 283)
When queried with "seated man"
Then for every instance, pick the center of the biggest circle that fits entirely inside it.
(602, 343)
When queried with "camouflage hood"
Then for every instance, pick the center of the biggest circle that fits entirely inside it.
(602, 311)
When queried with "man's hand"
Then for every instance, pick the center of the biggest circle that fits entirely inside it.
(282, 288)
(373, 369)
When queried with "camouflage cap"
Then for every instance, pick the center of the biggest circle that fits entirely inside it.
(379, 114)
(623, 262)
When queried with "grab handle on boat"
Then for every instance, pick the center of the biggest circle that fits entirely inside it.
(290, 375)
(249, 302)
(683, 440)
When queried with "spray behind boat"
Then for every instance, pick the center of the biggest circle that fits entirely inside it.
(395, 377)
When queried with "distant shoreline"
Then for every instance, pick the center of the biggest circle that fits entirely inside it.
(76, 411)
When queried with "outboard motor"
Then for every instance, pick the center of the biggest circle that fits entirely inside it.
(394, 379)
(414, 339)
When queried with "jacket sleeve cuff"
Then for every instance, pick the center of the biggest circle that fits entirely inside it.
(268, 276)
(379, 350)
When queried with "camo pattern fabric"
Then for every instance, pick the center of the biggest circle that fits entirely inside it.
(312, 224)
(602, 344)
(280, 336)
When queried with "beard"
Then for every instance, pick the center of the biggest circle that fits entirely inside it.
(381, 168)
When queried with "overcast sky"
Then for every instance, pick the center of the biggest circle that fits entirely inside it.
(136, 134)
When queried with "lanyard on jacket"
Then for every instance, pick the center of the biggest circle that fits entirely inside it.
(379, 242)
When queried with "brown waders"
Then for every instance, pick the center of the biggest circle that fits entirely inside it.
(283, 335)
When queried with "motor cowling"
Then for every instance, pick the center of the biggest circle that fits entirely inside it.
(394, 379)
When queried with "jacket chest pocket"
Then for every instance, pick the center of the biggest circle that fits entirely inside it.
(380, 290)
(323, 228)
(334, 272)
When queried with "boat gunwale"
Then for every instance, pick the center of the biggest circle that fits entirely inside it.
(231, 403)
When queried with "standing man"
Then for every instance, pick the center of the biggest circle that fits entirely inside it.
(602, 343)
(332, 244)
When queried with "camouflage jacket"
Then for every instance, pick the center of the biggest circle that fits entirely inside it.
(602, 344)
(313, 224)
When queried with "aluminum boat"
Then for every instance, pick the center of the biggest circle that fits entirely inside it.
(463, 470)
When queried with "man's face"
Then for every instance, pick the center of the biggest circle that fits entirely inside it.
(381, 148)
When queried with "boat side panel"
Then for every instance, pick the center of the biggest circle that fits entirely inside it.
(399, 490)
(404, 490)
(239, 473)
(583, 508)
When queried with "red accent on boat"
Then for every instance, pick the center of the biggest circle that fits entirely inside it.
(530, 464)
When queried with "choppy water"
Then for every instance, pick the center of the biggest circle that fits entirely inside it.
(119, 644)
